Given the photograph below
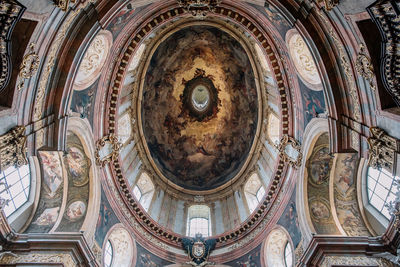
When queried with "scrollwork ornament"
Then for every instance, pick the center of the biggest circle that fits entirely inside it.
(63, 4)
(382, 149)
(29, 66)
(364, 66)
(199, 8)
(284, 151)
(330, 4)
(112, 142)
(13, 148)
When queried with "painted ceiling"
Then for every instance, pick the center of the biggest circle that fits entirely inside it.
(199, 107)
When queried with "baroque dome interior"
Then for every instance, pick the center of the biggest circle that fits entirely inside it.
(185, 133)
(199, 107)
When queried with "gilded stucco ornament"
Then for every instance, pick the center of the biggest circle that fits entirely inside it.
(10, 13)
(330, 4)
(64, 259)
(13, 148)
(351, 261)
(29, 65)
(63, 4)
(199, 8)
(382, 149)
(51, 61)
(385, 14)
(364, 66)
(394, 205)
(107, 149)
(290, 151)
(346, 67)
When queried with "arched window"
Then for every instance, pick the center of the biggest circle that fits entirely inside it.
(108, 254)
(144, 190)
(288, 255)
(273, 129)
(380, 187)
(120, 248)
(278, 250)
(254, 191)
(198, 221)
(14, 187)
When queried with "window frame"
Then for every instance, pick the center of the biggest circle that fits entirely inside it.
(250, 196)
(106, 251)
(15, 184)
(196, 232)
(375, 221)
(190, 218)
(374, 191)
(20, 217)
(145, 197)
(140, 191)
(290, 255)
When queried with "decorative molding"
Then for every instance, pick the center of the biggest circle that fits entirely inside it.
(364, 66)
(63, 4)
(13, 148)
(346, 68)
(255, 224)
(47, 249)
(290, 151)
(10, 13)
(394, 206)
(330, 4)
(382, 149)
(29, 65)
(350, 261)
(386, 15)
(107, 149)
(51, 61)
(199, 8)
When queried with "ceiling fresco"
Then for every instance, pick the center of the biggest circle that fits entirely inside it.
(199, 107)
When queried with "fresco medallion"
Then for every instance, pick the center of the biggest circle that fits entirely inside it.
(199, 107)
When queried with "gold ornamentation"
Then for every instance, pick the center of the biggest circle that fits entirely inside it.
(330, 4)
(60, 258)
(290, 151)
(350, 261)
(107, 150)
(63, 4)
(386, 16)
(382, 149)
(199, 8)
(10, 13)
(51, 59)
(344, 60)
(12, 148)
(29, 66)
(364, 66)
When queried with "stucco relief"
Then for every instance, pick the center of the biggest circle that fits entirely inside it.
(63, 259)
(93, 61)
(303, 60)
(274, 248)
(123, 247)
(351, 261)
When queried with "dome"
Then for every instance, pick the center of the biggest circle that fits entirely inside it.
(184, 133)
(199, 108)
